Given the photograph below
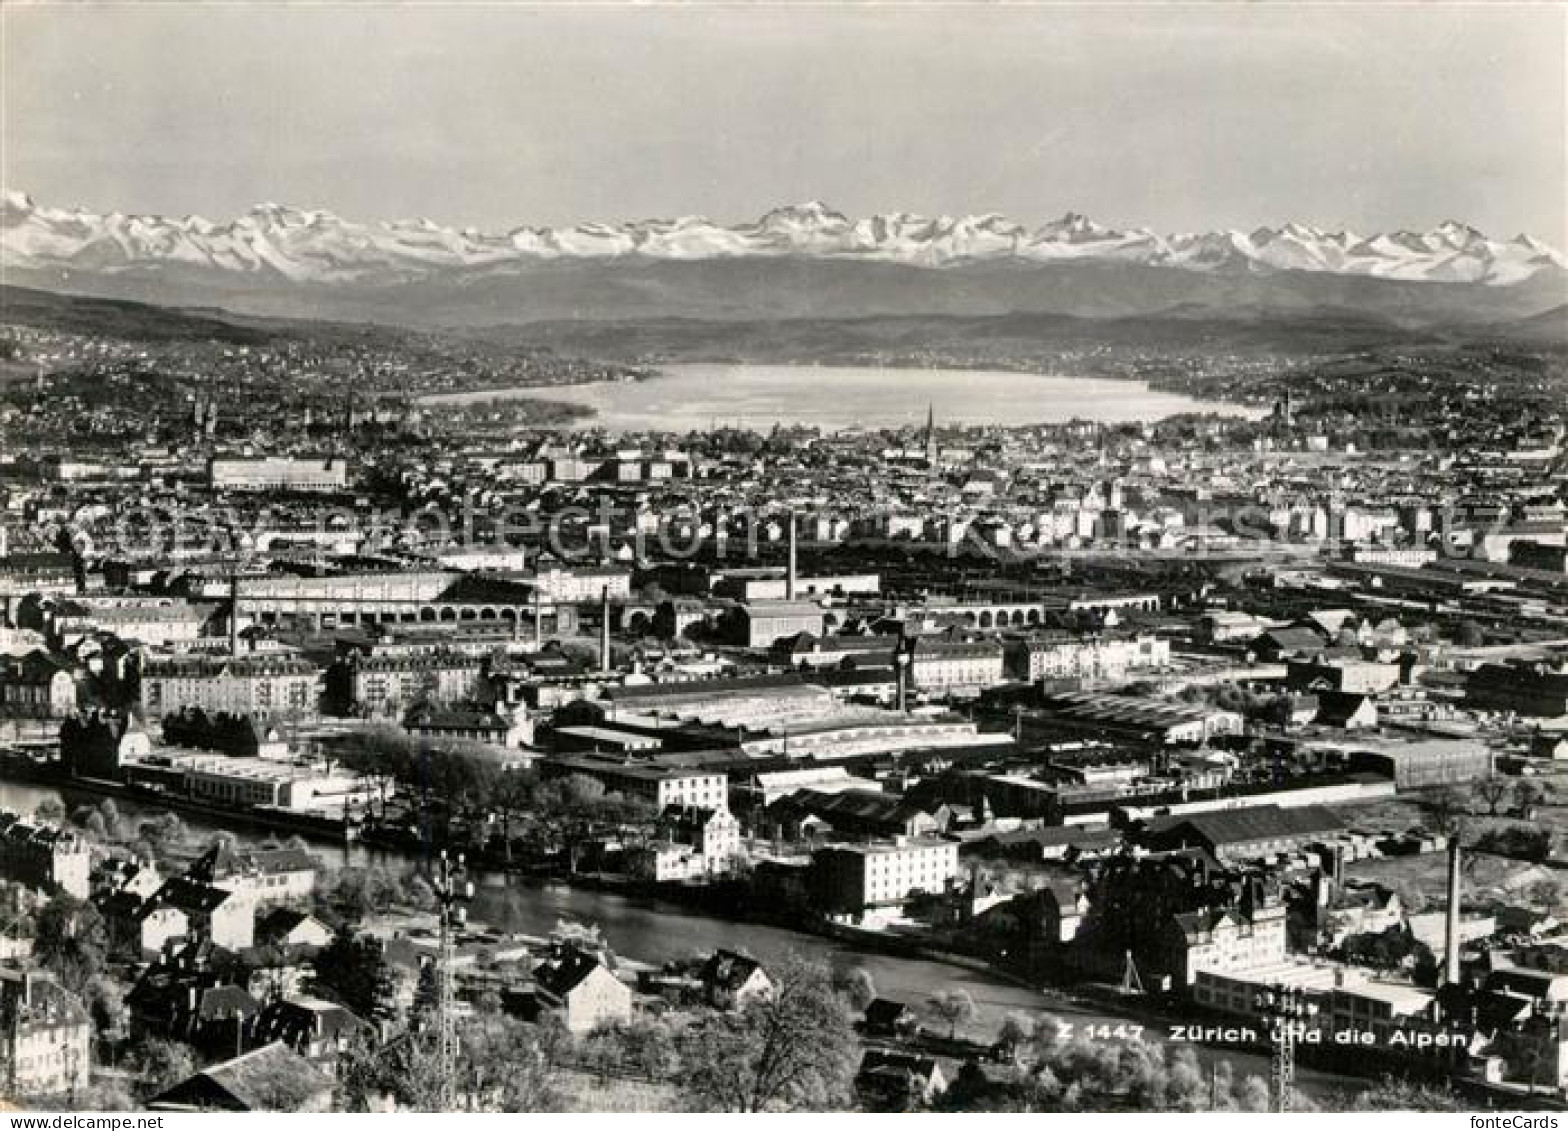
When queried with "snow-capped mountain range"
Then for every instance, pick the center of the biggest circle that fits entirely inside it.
(311, 246)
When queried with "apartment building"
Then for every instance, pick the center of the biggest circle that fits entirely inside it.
(45, 1036)
(251, 685)
(853, 879)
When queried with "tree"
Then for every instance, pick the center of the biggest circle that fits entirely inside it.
(158, 1065)
(383, 756)
(161, 834)
(1446, 812)
(105, 1000)
(641, 1045)
(111, 818)
(1492, 790)
(586, 937)
(1390, 1094)
(356, 969)
(503, 1066)
(1253, 1094)
(105, 1095)
(51, 810)
(512, 798)
(1527, 795)
(355, 894)
(793, 1051)
(1017, 1029)
(405, 1069)
(953, 1007)
(1523, 842)
(857, 986)
(70, 940)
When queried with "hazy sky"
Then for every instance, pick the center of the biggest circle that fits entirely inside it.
(1178, 117)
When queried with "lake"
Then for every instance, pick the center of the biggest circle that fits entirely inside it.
(697, 396)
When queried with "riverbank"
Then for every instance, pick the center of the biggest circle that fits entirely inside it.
(657, 924)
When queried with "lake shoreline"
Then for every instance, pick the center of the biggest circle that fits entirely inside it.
(697, 396)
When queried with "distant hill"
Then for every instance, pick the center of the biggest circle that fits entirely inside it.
(1188, 325)
(122, 319)
(1547, 326)
(767, 289)
(980, 336)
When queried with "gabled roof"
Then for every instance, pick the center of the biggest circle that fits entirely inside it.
(279, 921)
(566, 971)
(1260, 822)
(884, 1060)
(883, 1012)
(1336, 708)
(187, 895)
(1292, 639)
(728, 971)
(271, 1078)
(221, 1002)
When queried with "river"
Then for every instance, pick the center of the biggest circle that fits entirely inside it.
(695, 396)
(652, 930)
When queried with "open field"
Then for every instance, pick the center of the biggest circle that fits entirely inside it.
(1487, 877)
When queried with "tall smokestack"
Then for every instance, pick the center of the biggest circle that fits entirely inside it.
(538, 621)
(604, 629)
(789, 576)
(234, 614)
(901, 670)
(1451, 931)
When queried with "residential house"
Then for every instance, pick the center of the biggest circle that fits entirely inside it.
(690, 843)
(184, 908)
(272, 1078)
(318, 1030)
(898, 1081)
(731, 980)
(582, 989)
(37, 685)
(44, 857)
(45, 1035)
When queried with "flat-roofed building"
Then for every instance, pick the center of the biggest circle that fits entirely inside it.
(662, 786)
(1358, 677)
(1416, 765)
(279, 473)
(581, 583)
(156, 621)
(1139, 718)
(762, 623)
(1537, 690)
(603, 739)
(388, 684)
(250, 782)
(1053, 658)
